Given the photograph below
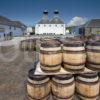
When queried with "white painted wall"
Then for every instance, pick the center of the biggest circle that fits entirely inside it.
(29, 29)
(50, 28)
(16, 31)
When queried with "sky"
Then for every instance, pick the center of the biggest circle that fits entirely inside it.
(30, 11)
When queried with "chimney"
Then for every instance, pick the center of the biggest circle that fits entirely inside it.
(45, 14)
(56, 13)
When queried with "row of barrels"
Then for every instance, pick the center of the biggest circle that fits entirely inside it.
(28, 45)
(63, 87)
(73, 55)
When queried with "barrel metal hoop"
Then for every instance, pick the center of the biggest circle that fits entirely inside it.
(93, 44)
(87, 83)
(63, 97)
(79, 64)
(50, 52)
(61, 84)
(49, 46)
(86, 95)
(48, 71)
(37, 79)
(50, 65)
(93, 50)
(75, 70)
(88, 76)
(39, 85)
(74, 52)
(40, 98)
(89, 62)
(93, 68)
(63, 78)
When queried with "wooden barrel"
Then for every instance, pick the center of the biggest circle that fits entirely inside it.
(50, 56)
(93, 55)
(74, 56)
(38, 87)
(31, 44)
(87, 86)
(63, 87)
(24, 45)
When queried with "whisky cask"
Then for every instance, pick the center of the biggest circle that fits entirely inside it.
(93, 55)
(50, 56)
(87, 86)
(31, 44)
(38, 87)
(24, 45)
(63, 87)
(74, 56)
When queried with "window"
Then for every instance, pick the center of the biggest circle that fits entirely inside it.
(56, 25)
(14, 28)
(61, 25)
(10, 27)
(44, 25)
(50, 25)
(38, 25)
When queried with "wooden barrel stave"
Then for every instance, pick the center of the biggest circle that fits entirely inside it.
(74, 56)
(31, 44)
(38, 87)
(87, 87)
(63, 89)
(50, 56)
(24, 45)
(93, 54)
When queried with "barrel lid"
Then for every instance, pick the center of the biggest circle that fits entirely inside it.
(29, 40)
(24, 41)
(50, 43)
(63, 77)
(73, 43)
(93, 43)
(89, 75)
(35, 77)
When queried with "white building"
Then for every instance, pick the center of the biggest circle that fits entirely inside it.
(45, 26)
(7, 26)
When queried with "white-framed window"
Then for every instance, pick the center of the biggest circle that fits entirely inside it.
(14, 28)
(44, 25)
(10, 27)
(56, 25)
(62, 25)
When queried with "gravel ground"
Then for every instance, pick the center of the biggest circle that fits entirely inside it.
(14, 66)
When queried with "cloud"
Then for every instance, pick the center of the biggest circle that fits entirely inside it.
(76, 21)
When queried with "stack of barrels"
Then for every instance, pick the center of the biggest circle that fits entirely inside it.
(71, 55)
(63, 87)
(27, 45)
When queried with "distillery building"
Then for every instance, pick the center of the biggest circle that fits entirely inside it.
(55, 26)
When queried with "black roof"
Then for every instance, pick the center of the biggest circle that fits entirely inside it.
(44, 21)
(94, 23)
(56, 20)
(6, 21)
